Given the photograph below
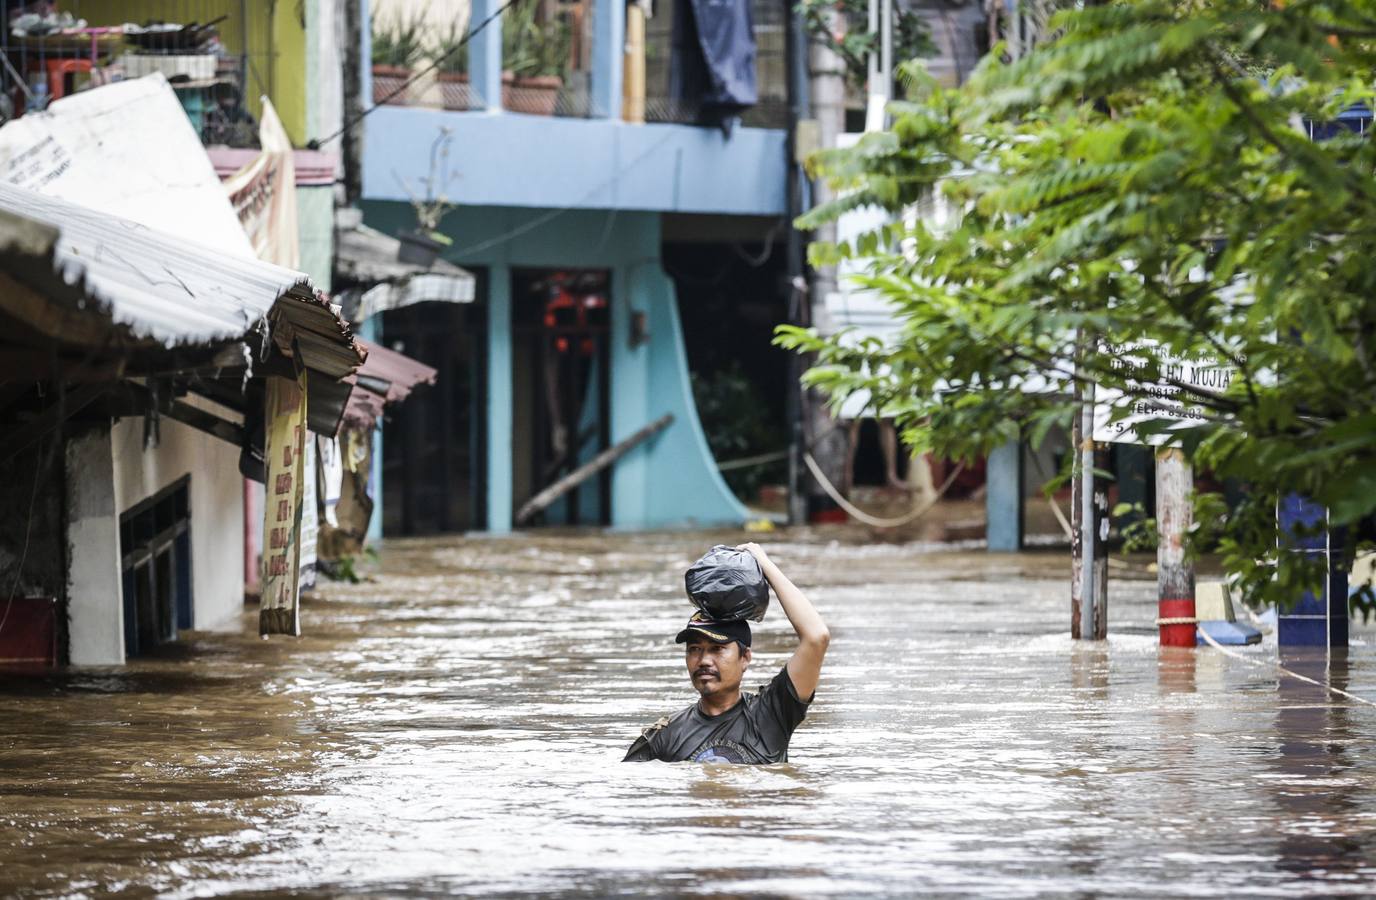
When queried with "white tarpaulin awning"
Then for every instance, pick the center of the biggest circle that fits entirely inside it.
(127, 149)
(367, 260)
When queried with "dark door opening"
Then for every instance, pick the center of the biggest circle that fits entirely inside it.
(561, 379)
(155, 553)
(433, 457)
(731, 295)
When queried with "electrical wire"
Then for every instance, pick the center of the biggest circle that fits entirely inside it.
(756, 262)
(553, 214)
(416, 76)
(28, 530)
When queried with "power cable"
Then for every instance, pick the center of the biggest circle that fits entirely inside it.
(416, 76)
(766, 252)
(28, 529)
(525, 227)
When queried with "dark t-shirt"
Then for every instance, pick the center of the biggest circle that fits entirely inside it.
(756, 730)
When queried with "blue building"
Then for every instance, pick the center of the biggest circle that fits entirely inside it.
(591, 237)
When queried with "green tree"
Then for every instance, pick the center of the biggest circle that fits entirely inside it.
(1149, 173)
(843, 26)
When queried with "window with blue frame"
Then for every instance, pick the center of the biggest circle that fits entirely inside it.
(155, 558)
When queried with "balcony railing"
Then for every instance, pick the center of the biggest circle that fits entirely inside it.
(546, 61)
(547, 58)
(771, 67)
(218, 59)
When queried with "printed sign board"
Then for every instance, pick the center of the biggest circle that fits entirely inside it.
(1155, 376)
(286, 444)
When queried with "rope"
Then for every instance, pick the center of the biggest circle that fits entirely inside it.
(1264, 663)
(859, 514)
(1178, 620)
(1065, 524)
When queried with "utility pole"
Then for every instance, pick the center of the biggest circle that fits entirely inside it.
(1174, 575)
(821, 76)
(351, 141)
(1089, 529)
(798, 312)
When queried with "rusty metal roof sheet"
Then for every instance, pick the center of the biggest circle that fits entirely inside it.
(386, 377)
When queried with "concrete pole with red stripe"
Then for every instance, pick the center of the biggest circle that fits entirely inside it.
(1174, 575)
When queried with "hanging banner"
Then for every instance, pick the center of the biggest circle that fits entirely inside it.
(263, 194)
(285, 450)
(310, 517)
(331, 477)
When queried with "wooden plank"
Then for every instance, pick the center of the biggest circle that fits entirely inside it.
(592, 467)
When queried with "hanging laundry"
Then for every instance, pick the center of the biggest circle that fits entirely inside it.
(713, 60)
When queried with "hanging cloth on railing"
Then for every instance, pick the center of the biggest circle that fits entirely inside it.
(713, 63)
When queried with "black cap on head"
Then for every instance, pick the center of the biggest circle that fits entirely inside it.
(699, 626)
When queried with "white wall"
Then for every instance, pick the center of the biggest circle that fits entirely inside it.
(95, 610)
(217, 506)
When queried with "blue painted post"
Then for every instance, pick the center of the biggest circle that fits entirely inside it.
(499, 399)
(1315, 621)
(485, 56)
(608, 57)
(369, 330)
(1003, 498)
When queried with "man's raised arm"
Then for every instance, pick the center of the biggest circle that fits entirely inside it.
(805, 665)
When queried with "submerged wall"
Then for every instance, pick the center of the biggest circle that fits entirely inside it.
(216, 501)
(672, 481)
(95, 611)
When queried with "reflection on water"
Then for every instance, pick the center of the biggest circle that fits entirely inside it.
(1323, 821)
(455, 727)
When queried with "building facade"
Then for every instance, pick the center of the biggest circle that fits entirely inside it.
(575, 341)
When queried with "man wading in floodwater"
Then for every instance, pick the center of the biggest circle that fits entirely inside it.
(726, 725)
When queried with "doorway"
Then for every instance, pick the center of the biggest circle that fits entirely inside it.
(561, 322)
(433, 457)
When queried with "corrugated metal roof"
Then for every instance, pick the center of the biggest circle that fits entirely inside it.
(163, 289)
(157, 286)
(98, 279)
(387, 377)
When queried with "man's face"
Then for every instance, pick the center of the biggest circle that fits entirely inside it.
(715, 668)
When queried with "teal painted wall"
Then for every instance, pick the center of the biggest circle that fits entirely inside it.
(315, 230)
(671, 481)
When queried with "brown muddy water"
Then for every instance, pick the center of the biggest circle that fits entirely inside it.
(456, 726)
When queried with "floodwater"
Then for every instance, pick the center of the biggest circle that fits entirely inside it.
(456, 726)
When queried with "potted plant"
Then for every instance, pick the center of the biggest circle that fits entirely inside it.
(534, 57)
(400, 48)
(421, 245)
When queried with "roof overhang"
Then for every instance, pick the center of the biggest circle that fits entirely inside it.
(386, 377)
(112, 289)
(370, 261)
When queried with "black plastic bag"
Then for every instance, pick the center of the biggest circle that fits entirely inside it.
(727, 584)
